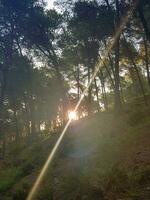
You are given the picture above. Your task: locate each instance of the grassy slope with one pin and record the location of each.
(102, 157)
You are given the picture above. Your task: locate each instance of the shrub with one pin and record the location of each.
(8, 177)
(136, 117)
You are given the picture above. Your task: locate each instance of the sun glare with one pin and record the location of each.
(72, 115)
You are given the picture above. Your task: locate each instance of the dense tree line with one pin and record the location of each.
(47, 58)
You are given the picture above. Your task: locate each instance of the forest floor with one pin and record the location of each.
(102, 157)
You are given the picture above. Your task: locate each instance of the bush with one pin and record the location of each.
(8, 177)
(136, 117)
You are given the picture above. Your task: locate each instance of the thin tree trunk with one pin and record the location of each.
(15, 119)
(143, 21)
(96, 91)
(115, 68)
(27, 121)
(110, 61)
(117, 78)
(136, 70)
(109, 74)
(89, 92)
(121, 92)
(32, 118)
(80, 86)
(147, 62)
(4, 148)
(3, 90)
(51, 55)
(111, 64)
(2, 118)
(116, 74)
(134, 81)
(16, 126)
(78, 82)
(6, 66)
(105, 101)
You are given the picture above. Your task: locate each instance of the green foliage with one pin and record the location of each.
(136, 111)
(135, 117)
(9, 177)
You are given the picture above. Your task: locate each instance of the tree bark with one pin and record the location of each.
(109, 74)
(136, 70)
(89, 91)
(116, 72)
(147, 62)
(4, 147)
(143, 21)
(3, 90)
(16, 126)
(96, 91)
(78, 82)
(105, 101)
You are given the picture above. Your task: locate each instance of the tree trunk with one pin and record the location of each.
(2, 117)
(105, 101)
(78, 82)
(136, 70)
(3, 89)
(110, 61)
(27, 117)
(4, 147)
(143, 21)
(32, 121)
(121, 93)
(134, 79)
(16, 126)
(147, 62)
(115, 69)
(80, 86)
(116, 72)
(51, 55)
(117, 78)
(96, 91)
(89, 92)
(15, 118)
(109, 74)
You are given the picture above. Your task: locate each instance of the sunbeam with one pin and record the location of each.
(37, 183)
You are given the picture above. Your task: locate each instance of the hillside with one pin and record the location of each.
(86, 61)
(105, 156)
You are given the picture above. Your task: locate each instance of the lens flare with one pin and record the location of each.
(72, 115)
(42, 174)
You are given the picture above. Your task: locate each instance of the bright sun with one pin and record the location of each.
(72, 115)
